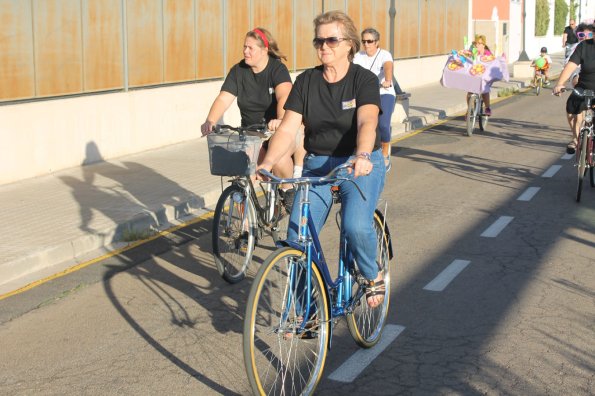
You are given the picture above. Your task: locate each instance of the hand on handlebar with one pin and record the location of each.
(273, 125)
(361, 167)
(206, 128)
(263, 167)
(558, 89)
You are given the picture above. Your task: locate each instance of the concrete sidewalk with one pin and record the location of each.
(52, 223)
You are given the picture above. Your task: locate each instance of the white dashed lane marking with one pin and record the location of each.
(552, 171)
(529, 194)
(445, 277)
(495, 229)
(353, 366)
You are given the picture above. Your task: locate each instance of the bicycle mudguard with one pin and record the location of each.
(387, 232)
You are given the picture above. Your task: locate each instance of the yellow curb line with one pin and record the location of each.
(105, 256)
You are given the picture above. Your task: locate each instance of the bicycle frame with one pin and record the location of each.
(339, 290)
(587, 127)
(261, 211)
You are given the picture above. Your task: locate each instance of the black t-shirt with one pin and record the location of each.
(584, 56)
(256, 91)
(570, 35)
(329, 110)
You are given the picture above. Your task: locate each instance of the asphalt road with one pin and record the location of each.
(509, 312)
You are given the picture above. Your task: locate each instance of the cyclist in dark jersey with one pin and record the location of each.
(261, 84)
(339, 104)
(583, 56)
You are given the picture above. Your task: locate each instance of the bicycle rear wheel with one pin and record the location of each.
(483, 119)
(471, 113)
(581, 163)
(591, 160)
(366, 324)
(234, 233)
(281, 222)
(282, 354)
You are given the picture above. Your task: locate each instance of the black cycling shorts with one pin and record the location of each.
(575, 104)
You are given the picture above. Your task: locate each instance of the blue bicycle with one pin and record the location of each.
(294, 302)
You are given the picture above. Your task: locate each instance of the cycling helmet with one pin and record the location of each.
(544, 49)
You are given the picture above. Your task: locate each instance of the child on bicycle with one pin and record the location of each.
(481, 49)
(542, 64)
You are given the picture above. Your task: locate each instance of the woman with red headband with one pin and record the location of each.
(261, 84)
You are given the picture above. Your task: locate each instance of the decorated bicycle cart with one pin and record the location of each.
(473, 73)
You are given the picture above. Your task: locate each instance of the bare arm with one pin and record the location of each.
(218, 108)
(564, 38)
(566, 73)
(388, 74)
(367, 121)
(281, 93)
(283, 140)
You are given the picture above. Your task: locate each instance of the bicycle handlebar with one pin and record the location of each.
(582, 93)
(259, 130)
(330, 177)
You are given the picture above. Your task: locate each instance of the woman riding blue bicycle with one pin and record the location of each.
(338, 103)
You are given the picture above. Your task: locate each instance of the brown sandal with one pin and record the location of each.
(571, 147)
(375, 288)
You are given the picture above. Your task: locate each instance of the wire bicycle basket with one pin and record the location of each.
(233, 155)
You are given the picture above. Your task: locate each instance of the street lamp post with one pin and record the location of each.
(524, 57)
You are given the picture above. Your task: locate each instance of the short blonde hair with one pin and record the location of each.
(347, 28)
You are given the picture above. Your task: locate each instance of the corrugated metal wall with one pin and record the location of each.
(62, 47)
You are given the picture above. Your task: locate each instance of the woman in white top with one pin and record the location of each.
(380, 62)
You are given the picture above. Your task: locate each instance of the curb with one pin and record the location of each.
(69, 253)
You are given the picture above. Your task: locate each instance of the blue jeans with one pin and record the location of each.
(387, 104)
(357, 214)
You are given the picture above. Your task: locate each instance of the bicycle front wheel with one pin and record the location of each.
(538, 85)
(366, 324)
(285, 337)
(581, 163)
(471, 113)
(233, 233)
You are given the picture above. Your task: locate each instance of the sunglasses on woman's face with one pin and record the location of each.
(584, 35)
(368, 41)
(331, 42)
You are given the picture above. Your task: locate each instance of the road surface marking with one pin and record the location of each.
(495, 229)
(528, 194)
(445, 277)
(568, 156)
(361, 359)
(552, 171)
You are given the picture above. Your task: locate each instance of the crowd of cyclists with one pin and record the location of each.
(340, 111)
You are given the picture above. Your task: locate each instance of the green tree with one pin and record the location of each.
(560, 14)
(542, 17)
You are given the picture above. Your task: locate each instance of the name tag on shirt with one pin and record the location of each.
(348, 104)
